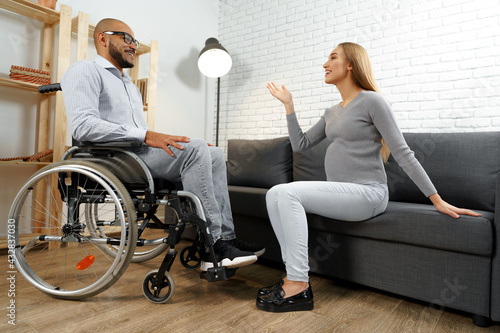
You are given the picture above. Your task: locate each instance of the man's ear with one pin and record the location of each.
(102, 39)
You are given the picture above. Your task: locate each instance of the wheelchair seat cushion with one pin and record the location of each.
(163, 184)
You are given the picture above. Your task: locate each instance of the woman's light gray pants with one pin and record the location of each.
(287, 205)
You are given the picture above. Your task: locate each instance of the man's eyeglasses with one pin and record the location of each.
(127, 38)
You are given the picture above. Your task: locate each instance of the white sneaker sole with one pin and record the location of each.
(261, 252)
(236, 262)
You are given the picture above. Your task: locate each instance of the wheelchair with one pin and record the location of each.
(80, 222)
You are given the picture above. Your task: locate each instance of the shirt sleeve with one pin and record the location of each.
(385, 121)
(302, 141)
(81, 86)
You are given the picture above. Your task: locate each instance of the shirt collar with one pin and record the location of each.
(103, 62)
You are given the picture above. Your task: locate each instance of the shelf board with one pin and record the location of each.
(143, 48)
(31, 9)
(20, 162)
(5, 82)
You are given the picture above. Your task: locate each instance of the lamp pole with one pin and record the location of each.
(218, 101)
(214, 61)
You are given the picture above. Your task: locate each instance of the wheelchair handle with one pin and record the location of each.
(49, 88)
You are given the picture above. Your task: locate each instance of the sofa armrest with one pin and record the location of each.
(495, 269)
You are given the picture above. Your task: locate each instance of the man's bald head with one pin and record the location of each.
(110, 24)
(112, 46)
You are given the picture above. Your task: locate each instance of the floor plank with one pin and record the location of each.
(225, 306)
(365, 314)
(451, 322)
(411, 317)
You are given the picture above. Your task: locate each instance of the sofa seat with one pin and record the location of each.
(408, 223)
(420, 225)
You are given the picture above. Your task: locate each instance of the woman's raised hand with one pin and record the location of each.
(283, 95)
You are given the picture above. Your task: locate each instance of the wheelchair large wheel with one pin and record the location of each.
(101, 216)
(55, 248)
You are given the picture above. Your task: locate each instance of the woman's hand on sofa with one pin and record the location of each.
(445, 208)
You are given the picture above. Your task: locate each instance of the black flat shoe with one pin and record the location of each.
(266, 290)
(275, 302)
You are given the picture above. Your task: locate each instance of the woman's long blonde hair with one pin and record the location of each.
(363, 77)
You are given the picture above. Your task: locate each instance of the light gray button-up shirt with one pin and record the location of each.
(101, 104)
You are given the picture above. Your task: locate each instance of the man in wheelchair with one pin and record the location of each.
(103, 105)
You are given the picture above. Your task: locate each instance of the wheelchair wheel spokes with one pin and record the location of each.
(103, 220)
(57, 250)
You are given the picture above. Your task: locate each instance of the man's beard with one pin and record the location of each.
(118, 57)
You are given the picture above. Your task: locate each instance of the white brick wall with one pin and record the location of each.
(436, 61)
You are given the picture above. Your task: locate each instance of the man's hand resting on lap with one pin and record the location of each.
(160, 140)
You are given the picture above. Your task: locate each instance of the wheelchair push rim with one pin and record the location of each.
(63, 258)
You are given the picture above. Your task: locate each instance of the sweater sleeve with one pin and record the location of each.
(384, 120)
(302, 141)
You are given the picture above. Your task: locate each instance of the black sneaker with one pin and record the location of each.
(229, 256)
(257, 249)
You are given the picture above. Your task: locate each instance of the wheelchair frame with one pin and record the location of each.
(100, 201)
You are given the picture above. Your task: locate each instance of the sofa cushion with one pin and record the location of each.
(248, 201)
(259, 163)
(420, 225)
(310, 164)
(462, 166)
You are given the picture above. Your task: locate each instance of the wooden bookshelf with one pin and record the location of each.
(51, 18)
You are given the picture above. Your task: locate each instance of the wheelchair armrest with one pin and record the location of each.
(113, 144)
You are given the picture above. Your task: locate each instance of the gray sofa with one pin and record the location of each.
(410, 250)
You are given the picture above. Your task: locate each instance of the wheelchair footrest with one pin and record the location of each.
(218, 274)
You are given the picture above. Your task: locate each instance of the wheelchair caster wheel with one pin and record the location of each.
(190, 257)
(158, 292)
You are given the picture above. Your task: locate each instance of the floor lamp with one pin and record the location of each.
(214, 61)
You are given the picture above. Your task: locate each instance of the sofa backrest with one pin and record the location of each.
(259, 163)
(463, 167)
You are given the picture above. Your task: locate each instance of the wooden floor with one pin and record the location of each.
(226, 306)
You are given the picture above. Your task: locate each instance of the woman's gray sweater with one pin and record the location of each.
(355, 133)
